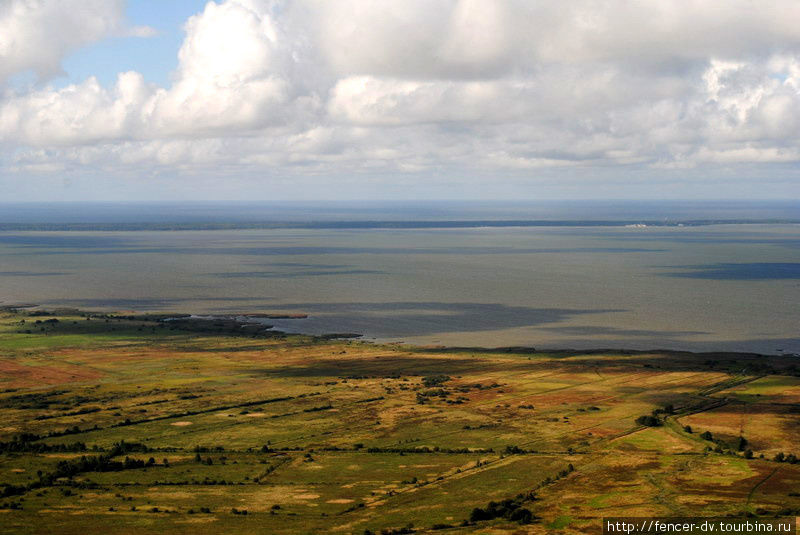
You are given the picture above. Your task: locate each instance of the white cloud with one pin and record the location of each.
(232, 76)
(37, 34)
(419, 86)
(474, 38)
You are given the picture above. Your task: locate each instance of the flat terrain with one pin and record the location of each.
(132, 424)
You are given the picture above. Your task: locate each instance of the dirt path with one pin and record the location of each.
(755, 487)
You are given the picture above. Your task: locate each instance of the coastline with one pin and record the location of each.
(250, 324)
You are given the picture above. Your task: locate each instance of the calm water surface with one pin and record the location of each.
(731, 287)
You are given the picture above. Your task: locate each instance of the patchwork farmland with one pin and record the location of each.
(133, 424)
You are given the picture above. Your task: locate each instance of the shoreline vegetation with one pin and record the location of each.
(169, 423)
(392, 224)
(242, 324)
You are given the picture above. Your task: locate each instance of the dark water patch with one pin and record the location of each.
(742, 271)
(397, 319)
(302, 265)
(693, 237)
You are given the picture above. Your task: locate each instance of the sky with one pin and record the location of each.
(380, 99)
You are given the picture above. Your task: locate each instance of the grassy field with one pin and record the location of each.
(132, 424)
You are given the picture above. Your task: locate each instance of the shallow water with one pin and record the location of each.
(719, 287)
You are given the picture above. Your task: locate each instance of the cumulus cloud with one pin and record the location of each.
(419, 86)
(35, 35)
(473, 38)
(233, 76)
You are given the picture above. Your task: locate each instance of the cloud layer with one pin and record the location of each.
(422, 87)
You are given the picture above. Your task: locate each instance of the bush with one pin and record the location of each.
(649, 421)
(434, 380)
(479, 514)
(521, 516)
(509, 509)
(706, 435)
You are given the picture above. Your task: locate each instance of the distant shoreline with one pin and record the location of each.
(243, 324)
(384, 225)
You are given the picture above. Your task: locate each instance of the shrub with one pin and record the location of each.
(434, 380)
(649, 421)
(521, 516)
(479, 514)
(510, 509)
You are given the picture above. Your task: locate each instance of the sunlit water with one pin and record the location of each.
(719, 287)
